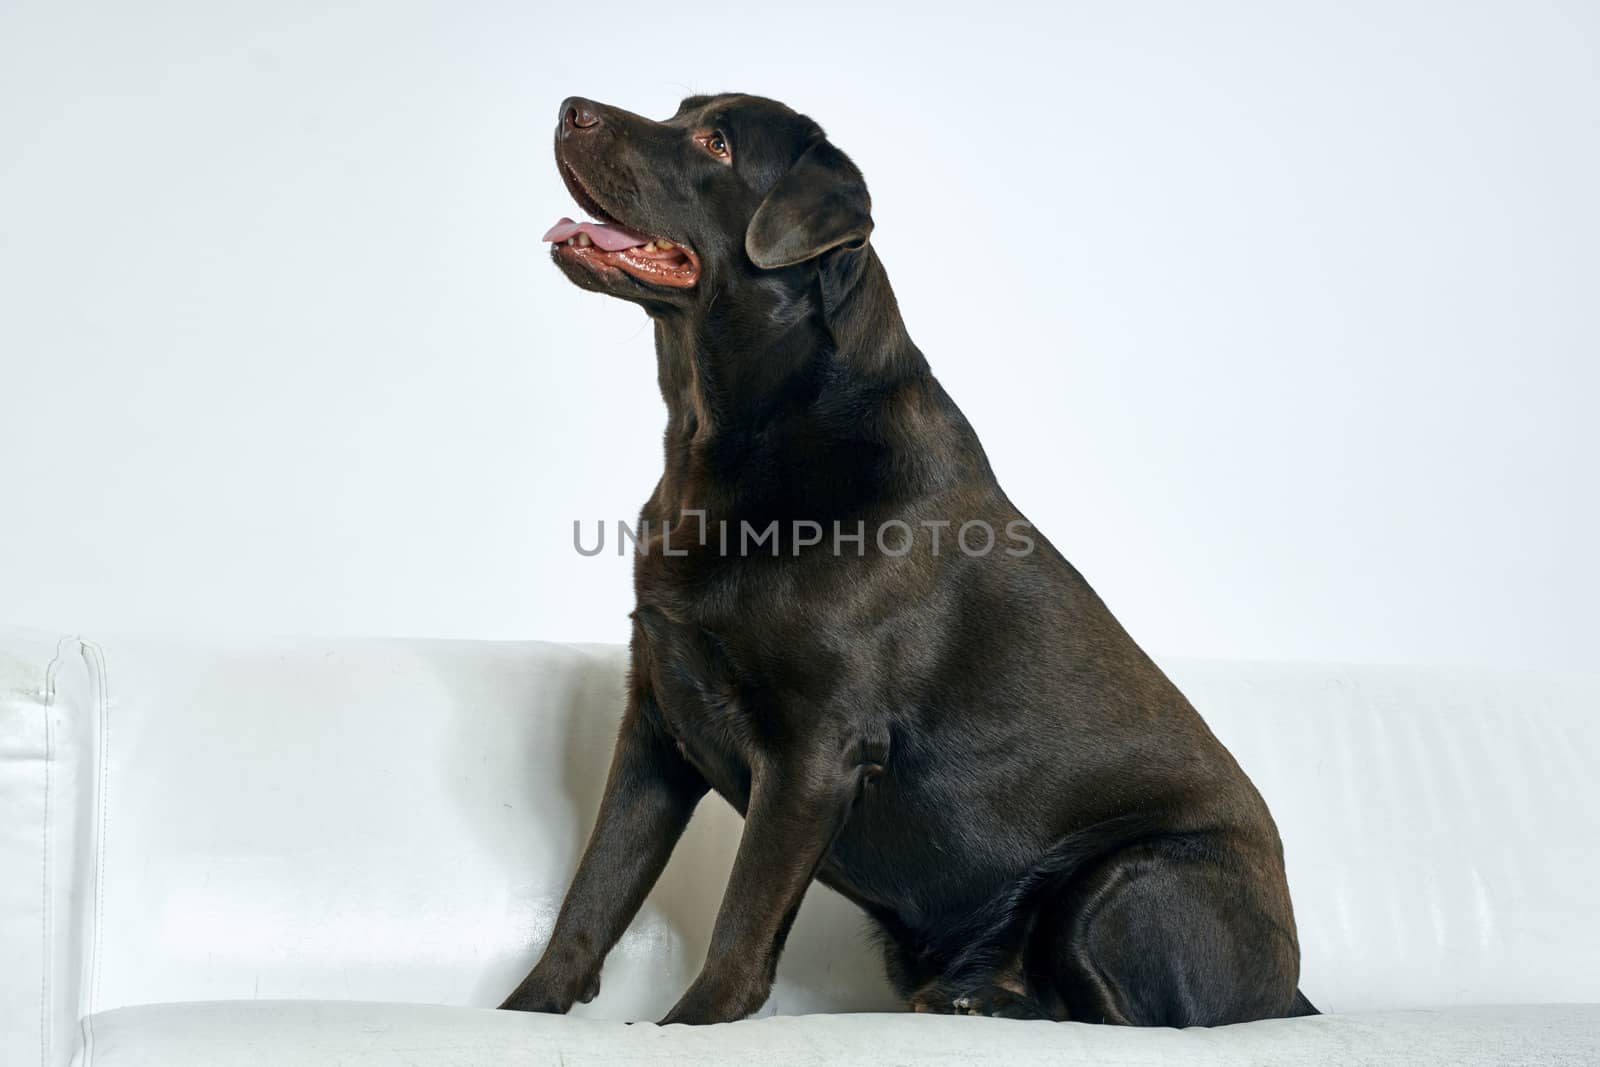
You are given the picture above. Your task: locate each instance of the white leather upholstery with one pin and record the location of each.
(386, 820)
(50, 711)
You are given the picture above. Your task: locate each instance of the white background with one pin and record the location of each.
(1280, 319)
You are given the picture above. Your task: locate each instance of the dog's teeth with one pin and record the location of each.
(649, 246)
(663, 244)
(584, 240)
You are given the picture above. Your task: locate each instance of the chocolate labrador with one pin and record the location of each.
(845, 628)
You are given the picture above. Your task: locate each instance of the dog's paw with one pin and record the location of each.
(933, 999)
(995, 1001)
(551, 996)
(544, 1004)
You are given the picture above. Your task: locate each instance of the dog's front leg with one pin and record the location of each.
(795, 810)
(649, 796)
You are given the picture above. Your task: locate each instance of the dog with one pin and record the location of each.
(964, 743)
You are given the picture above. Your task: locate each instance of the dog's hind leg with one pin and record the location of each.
(1164, 935)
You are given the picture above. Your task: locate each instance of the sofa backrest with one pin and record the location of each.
(398, 819)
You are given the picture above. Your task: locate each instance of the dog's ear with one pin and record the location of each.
(819, 205)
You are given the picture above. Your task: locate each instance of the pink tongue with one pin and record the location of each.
(610, 237)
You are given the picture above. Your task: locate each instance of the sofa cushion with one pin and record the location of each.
(356, 1034)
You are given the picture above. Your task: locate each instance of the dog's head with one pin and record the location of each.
(729, 187)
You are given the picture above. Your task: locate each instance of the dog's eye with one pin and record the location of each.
(714, 142)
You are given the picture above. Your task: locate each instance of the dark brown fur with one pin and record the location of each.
(971, 748)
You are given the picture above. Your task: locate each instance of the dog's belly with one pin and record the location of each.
(922, 847)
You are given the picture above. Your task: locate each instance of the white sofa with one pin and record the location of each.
(318, 852)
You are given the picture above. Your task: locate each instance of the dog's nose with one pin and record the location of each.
(578, 114)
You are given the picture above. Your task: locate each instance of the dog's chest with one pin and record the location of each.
(704, 700)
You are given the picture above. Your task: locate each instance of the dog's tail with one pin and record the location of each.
(1301, 1006)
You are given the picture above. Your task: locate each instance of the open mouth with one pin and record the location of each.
(610, 245)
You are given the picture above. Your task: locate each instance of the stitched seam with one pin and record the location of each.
(44, 911)
(49, 693)
(99, 664)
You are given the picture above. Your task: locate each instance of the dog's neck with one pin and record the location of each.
(773, 378)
